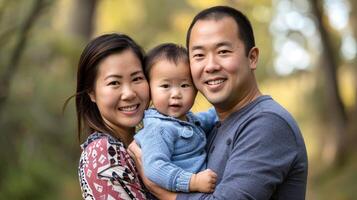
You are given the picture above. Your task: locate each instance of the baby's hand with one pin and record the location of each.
(204, 181)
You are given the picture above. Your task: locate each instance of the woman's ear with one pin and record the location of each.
(91, 96)
(253, 58)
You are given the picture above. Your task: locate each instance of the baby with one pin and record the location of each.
(173, 139)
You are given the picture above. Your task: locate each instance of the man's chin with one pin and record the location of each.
(215, 99)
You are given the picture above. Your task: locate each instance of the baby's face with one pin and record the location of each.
(172, 89)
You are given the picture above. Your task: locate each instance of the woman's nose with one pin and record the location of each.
(128, 93)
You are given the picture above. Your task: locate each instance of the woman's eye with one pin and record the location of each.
(114, 83)
(139, 78)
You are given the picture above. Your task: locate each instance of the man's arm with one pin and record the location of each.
(207, 119)
(262, 154)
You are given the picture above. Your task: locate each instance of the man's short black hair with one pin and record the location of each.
(245, 32)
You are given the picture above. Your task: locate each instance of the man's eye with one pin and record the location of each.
(198, 55)
(223, 51)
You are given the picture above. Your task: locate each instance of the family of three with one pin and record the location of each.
(246, 147)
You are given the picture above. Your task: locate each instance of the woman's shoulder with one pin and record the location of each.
(105, 164)
(104, 148)
(97, 140)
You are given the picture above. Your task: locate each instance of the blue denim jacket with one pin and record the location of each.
(172, 149)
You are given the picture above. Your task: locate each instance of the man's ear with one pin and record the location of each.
(91, 96)
(253, 58)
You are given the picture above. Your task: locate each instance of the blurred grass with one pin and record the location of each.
(339, 184)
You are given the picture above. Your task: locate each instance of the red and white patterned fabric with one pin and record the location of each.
(106, 171)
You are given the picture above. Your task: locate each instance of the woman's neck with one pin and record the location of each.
(125, 136)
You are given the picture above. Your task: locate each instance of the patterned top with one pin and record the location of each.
(106, 171)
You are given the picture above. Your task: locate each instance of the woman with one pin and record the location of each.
(112, 94)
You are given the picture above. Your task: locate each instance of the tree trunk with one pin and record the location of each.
(353, 23)
(353, 126)
(82, 18)
(15, 56)
(333, 150)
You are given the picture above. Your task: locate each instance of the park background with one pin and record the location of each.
(307, 63)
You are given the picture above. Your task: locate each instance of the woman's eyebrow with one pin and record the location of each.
(136, 73)
(113, 76)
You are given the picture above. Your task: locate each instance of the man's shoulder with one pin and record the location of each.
(270, 114)
(268, 107)
(263, 106)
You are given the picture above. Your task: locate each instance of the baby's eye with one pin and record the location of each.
(185, 85)
(165, 85)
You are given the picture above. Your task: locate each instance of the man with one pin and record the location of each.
(256, 149)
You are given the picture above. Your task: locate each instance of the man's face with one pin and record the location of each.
(220, 68)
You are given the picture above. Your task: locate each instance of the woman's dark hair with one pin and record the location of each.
(167, 51)
(88, 115)
(245, 30)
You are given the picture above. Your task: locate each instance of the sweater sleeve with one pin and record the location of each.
(157, 146)
(262, 155)
(207, 119)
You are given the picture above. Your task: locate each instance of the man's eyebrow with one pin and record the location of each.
(197, 47)
(228, 44)
(220, 44)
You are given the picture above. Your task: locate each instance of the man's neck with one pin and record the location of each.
(223, 111)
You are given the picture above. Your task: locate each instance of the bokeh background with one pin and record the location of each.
(307, 63)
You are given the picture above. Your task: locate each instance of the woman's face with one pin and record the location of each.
(121, 91)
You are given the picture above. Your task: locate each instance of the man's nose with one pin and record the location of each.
(212, 65)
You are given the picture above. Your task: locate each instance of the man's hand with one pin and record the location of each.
(161, 193)
(204, 181)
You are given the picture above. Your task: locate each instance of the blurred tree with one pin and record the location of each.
(22, 36)
(353, 23)
(337, 146)
(82, 18)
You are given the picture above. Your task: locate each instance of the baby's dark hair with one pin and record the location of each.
(167, 51)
